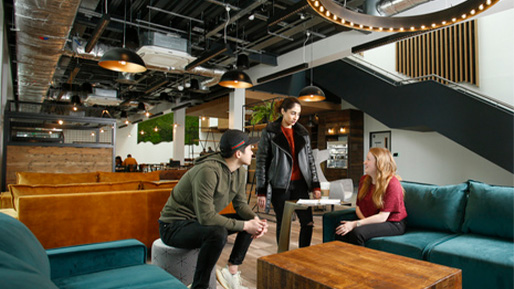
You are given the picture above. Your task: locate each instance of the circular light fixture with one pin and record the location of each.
(311, 94)
(335, 12)
(235, 79)
(122, 60)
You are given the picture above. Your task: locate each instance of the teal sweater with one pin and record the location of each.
(205, 190)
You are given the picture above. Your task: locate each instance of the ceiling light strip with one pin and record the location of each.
(334, 12)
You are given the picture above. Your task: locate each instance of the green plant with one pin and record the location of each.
(263, 113)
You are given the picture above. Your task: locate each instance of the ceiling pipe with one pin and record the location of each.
(40, 38)
(390, 7)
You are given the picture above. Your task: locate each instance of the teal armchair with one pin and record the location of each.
(118, 264)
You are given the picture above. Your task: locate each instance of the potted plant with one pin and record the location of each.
(263, 113)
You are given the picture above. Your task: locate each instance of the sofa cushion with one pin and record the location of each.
(28, 190)
(142, 276)
(415, 243)
(30, 178)
(147, 185)
(435, 207)
(124, 177)
(486, 262)
(489, 210)
(18, 241)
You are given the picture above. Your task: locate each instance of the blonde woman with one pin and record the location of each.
(380, 207)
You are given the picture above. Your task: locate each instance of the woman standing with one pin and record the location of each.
(380, 206)
(286, 164)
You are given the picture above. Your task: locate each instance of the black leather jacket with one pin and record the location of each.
(274, 161)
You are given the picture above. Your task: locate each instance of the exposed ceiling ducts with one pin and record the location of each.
(41, 35)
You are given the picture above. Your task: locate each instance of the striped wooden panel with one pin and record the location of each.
(451, 53)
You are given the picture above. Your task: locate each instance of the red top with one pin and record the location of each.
(297, 174)
(392, 199)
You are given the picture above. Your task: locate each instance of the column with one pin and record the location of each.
(179, 128)
(235, 109)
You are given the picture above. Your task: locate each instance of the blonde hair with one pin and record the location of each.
(386, 169)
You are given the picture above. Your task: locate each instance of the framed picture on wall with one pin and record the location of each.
(381, 139)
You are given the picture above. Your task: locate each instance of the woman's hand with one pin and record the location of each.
(316, 194)
(261, 201)
(346, 227)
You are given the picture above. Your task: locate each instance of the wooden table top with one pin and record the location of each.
(341, 265)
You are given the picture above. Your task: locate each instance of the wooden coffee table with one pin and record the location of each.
(341, 265)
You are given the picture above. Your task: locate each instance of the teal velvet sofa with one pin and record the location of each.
(119, 264)
(469, 226)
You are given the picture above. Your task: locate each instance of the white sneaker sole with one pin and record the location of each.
(221, 280)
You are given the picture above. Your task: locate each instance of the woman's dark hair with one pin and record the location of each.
(287, 104)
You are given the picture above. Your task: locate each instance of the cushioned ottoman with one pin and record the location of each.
(180, 263)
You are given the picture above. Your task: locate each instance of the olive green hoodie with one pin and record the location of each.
(206, 189)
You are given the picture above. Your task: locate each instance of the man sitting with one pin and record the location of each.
(190, 217)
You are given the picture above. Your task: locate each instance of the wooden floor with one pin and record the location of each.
(266, 245)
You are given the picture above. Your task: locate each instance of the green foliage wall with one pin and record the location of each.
(147, 132)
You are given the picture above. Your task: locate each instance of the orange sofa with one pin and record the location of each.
(67, 212)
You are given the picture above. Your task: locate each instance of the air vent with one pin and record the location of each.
(164, 50)
(103, 97)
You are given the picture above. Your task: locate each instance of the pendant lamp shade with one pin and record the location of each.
(122, 60)
(312, 94)
(235, 79)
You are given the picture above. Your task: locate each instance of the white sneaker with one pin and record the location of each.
(228, 280)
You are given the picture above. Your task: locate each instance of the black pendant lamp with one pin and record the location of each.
(311, 93)
(237, 78)
(122, 59)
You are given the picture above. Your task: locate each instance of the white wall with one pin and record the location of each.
(432, 158)
(496, 57)
(429, 157)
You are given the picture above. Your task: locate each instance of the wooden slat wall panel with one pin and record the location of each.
(44, 159)
(451, 53)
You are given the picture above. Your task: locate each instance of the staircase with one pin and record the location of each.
(482, 126)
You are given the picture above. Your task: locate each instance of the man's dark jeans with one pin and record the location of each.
(189, 234)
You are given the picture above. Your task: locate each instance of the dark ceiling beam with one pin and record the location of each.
(236, 17)
(270, 40)
(156, 86)
(208, 55)
(283, 15)
(99, 29)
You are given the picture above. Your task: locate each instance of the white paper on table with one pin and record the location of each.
(319, 202)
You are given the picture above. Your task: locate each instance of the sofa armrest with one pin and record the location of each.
(6, 200)
(85, 259)
(332, 219)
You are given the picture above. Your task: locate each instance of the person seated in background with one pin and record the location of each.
(118, 164)
(210, 150)
(190, 219)
(130, 163)
(380, 205)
